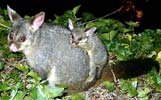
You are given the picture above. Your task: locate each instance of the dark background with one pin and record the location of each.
(151, 9)
(51, 7)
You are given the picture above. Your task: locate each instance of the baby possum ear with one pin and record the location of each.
(91, 31)
(70, 24)
(13, 15)
(37, 21)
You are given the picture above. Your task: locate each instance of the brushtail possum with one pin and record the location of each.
(91, 43)
(47, 49)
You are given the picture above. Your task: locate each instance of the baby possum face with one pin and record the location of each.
(79, 38)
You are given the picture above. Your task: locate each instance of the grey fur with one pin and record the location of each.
(48, 51)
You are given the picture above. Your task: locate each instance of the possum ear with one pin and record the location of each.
(91, 31)
(70, 24)
(13, 15)
(37, 21)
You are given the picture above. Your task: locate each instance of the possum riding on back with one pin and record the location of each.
(90, 42)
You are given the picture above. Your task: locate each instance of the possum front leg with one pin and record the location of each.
(92, 74)
(52, 78)
(92, 65)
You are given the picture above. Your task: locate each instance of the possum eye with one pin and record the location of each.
(83, 40)
(11, 36)
(79, 39)
(22, 39)
(72, 37)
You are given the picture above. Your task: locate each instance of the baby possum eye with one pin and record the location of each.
(22, 39)
(83, 40)
(72, 36)
(79, 39)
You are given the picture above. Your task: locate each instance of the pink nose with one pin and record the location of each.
(13, 48)
(75, 42)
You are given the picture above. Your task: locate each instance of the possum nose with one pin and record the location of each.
(13, 48)
(75, 42)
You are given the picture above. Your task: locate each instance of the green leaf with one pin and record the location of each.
(20, 95)
(34, 75)
(110, 35)
(33, 93)
(124, 86)
(40, 94)
(23, 68)
(14, 93)
(132, 92)
(144, 93)
(123, 54)
(1, 65)
(75, 9)
(53, 92)
(15, 75)
(133, 88)
(109, 85)
(4, 25)
(89, 25)
(131, 23)
(17, 95)
(77, 96)
(18, 85)
(144, 98)
(4, 87)
(134, 82)
(128, 87)
(157, 79)
(87, 16)
(5, 98)
(28, 98)
(46, 92)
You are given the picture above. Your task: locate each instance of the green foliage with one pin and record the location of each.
(129, 87)
(15, 94)
(4, 87)
(155, 80)
(32, 85)
(117, 37)
(46, 93)
(34, 75)
(151, 80)
(77, 96)
(109, 85)
(87, 16)
(23, 68)
(142, 94)
(4, 22)
(1, 65)
(63, 19)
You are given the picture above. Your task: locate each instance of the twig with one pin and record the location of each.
(135, 98)
(115, 80)
(22, 60)
(5, 62)
(104, 16)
